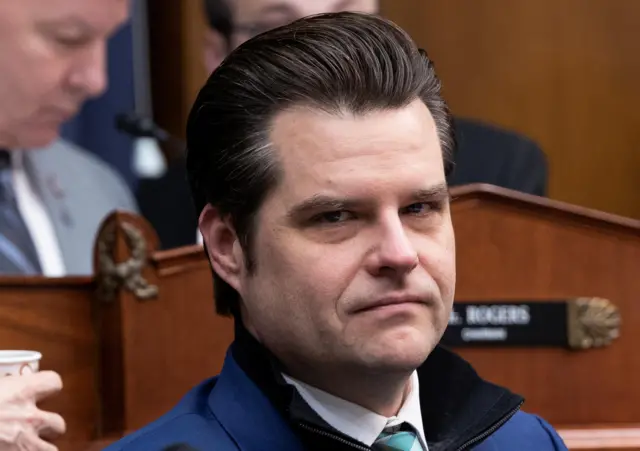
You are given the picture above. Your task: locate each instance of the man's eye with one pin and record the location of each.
(72, 41)
(422, 208)
(332, 217)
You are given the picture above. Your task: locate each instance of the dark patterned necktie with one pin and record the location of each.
(17, 253)
(400, 438)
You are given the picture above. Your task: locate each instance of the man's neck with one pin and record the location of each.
(6, 140)
(383, 394)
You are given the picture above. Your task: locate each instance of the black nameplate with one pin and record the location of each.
(512, 323)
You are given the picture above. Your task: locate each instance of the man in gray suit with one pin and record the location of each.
(53, 195)
(76, 191)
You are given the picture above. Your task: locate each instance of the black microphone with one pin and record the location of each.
(179, 447)
(140, 127)
(143, 127)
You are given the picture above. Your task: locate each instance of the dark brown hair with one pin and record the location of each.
(338, 62)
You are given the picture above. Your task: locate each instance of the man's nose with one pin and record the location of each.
(89, 76)
(394, 254)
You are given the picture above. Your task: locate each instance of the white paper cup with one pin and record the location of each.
(17, 363)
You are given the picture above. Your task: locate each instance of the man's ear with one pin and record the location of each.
(223, 247)
(215, 49)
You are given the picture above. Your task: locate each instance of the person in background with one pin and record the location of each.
(486, 154)
(53, 195)
(318, 167)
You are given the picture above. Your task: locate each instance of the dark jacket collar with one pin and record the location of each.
(458, 407)
(265, 371)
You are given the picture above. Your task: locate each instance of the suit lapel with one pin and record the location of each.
(48, 171)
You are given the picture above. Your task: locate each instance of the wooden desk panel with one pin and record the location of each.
(54, 317)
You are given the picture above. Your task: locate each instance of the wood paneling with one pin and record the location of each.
(176, 32)
(54, 317)
(565, 73)
(524, 247)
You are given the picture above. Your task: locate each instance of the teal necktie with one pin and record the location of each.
(401, 438)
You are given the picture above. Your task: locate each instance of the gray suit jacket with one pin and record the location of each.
(78, 190)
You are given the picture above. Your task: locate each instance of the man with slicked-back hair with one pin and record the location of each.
(318, 155)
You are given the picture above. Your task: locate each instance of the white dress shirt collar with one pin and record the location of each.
(36, 218)
(356, 421)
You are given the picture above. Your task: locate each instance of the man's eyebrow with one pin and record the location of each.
(436, 192)
(69, 21)
(322, 202)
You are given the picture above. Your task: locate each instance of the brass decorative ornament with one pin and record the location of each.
(112, 276)
(592, 323)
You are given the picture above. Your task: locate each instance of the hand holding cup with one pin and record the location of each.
(22, 424)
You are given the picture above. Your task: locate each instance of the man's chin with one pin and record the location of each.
(37, 139)
(402, 353)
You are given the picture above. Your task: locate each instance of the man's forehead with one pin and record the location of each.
(99, 14)
(295, 9)
(316, 148)
(307, 130)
